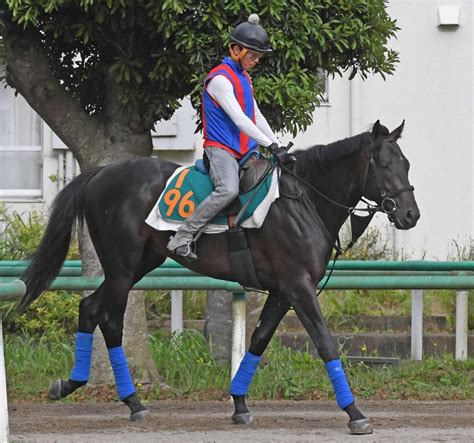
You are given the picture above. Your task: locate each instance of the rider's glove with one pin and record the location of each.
(281, 154)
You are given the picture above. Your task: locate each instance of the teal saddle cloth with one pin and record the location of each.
(188, 187)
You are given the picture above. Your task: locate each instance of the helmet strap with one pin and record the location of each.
(238, 58)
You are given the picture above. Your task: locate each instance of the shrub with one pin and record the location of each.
(372, 245)
(53, 315)
(19, 235)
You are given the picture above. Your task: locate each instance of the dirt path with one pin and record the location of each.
(275, 421)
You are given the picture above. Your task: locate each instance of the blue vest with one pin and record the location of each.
(219, 130)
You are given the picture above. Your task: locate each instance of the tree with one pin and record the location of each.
(102, 72)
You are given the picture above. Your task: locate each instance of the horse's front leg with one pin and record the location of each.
(301, 295)
(273, 311)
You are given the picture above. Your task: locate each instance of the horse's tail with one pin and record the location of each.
(47, 260)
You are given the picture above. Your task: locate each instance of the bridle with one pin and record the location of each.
(387, 204)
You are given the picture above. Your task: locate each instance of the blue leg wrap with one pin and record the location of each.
(342, 390)
(123, 379)
(241, 382)
(82, 357)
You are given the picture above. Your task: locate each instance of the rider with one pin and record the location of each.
(233, 126)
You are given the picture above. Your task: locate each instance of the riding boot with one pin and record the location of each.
(182, 244)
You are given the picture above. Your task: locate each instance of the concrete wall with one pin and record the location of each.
(431, 89)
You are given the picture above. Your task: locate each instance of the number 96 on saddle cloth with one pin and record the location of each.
(188, 187)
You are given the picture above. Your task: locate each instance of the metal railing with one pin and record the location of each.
(414, 275)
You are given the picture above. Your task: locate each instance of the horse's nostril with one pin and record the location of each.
(412, 215)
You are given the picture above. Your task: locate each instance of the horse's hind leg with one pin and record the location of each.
(273, 311)
(89, 315)
(111, 315)
(89, 308)
(111, 318)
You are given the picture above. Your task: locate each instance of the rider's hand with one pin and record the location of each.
(281, 154)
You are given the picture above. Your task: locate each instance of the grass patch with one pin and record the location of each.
(31, 364)
(186, 365)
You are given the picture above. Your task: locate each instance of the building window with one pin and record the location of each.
(325, 81)
(20, 147)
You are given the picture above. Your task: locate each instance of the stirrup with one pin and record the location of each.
(186, 251)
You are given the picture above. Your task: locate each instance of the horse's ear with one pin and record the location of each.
(376, 130)
(397, 133)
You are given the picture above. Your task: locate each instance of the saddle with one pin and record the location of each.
(253, 168)
(252, 172)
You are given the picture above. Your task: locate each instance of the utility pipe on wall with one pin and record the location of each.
(354, 86)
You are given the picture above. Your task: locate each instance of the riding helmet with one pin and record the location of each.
(251, 35)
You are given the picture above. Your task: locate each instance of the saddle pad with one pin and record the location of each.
(188, 187)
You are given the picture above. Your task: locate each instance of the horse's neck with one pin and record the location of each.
(342, 184)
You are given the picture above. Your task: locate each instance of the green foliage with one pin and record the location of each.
(20, 235)
(52, 315)
(186, 362)
(31, 364)
(159, 51)
(372, 245)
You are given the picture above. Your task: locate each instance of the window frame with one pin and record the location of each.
(23, 193)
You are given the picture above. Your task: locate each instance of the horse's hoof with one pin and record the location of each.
(54, 391)
(242, 419)
(360, 427)
(140, 415)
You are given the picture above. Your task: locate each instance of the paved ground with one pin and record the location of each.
(275, 421)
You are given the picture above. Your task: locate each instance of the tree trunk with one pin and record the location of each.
(117, 134)
(218, 326)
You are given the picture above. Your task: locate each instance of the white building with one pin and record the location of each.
(431, 89)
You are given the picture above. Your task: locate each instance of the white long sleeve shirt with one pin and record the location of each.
(222, 91)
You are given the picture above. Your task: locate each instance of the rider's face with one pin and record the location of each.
(250, 59)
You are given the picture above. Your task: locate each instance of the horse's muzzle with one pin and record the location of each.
(406, 219)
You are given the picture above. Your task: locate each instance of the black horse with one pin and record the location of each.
(290, 251)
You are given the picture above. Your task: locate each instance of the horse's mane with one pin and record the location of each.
(323, 157)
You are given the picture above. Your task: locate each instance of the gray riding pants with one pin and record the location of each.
(224, 171)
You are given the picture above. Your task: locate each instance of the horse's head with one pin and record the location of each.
(387, 178)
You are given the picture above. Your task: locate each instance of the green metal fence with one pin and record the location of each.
(414, 275)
